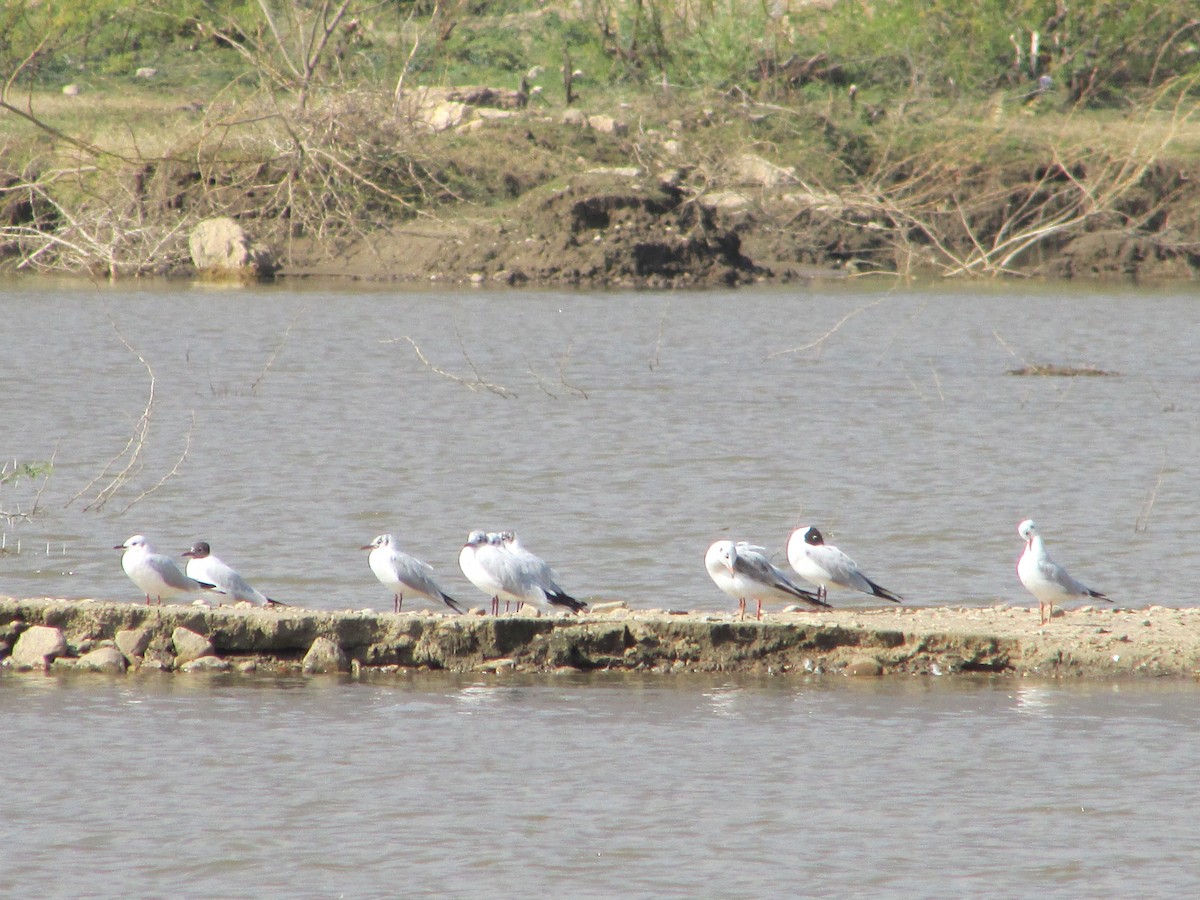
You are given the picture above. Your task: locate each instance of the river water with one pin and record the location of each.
(596, 786)
(620, 435)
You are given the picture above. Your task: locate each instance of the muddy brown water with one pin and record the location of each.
(623, 433)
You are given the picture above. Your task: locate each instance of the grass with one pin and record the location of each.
(708, 75)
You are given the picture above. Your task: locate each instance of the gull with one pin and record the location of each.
(823, 564)
(155, 575)
(471, 559)
(534, 582)
(500, 566)
(401, 572)
(1043, 577)
(743, 571)
(203, 566)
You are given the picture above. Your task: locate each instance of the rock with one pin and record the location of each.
(324, 656)
(71, 90)
(444, 115)
(189, 645)
(103, 659)
(608, 606)
(724, 200)
(574, 117)
(220, 248)
(206, 664)
(38, 646)
(608, 125)
(751, 169)
(497, 665)
(162, 660)
(145, 72)
(133, 643)
(863, 667)
(616, 171)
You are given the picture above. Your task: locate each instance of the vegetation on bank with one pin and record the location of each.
(976, 131)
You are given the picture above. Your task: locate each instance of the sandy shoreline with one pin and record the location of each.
(1087, 642)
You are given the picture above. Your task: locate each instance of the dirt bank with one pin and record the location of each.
(638, 229)
(649, 194)
(1090, 643)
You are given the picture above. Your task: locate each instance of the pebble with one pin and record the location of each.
(207, 664)
(865, 666)
(189, 645)
(325, 657)
(133, 643)
(103, 659)
(38, 646)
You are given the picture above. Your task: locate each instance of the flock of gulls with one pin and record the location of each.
(503, 569)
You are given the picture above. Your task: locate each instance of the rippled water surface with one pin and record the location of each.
(596, 787)
(620, 435)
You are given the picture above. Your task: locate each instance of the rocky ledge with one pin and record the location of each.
(52, 634)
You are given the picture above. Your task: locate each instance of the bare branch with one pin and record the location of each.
(831, 332)
(134, 446)
(471, 384)
(173, 471)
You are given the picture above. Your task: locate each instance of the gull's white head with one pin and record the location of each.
(476, 538)
(1027, 530)
(720, 555)
(138, 540)
(383, 540)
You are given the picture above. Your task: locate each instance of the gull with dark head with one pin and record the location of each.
(155, 575)
(823, 564)
(1043, 577)
(203, 566)
(401, 573)
(743, 572)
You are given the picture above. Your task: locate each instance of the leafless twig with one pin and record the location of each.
(274, 353)
(174, 469)
(562, 374)
(1143, 520)
(134, 446)
(471, 384)
(842, 321)
(541, 382)
(662, 324)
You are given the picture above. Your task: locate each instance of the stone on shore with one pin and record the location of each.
(221, 249)
(38, 646)
(324, 657)
(103, 659)
(207, 664)
(132, 642)
(190, 646)
(863, 667)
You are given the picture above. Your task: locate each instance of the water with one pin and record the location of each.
(624, 433)
(596, 787)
